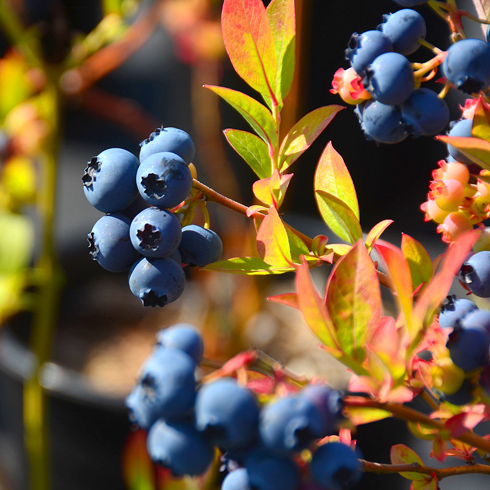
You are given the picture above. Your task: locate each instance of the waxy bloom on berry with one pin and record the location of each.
(348, 84)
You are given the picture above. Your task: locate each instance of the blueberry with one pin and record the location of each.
(109, 243)
(200, 246)
(185, 337)
(156, 282)
(155, 232)
(381, 123)
(364, 48)
(404, 28)
(469, 347)
(425, 113)
(236, 480)
(335, 465)
(164, 180)
(464, 395)
(390, 78)
(475, 274)
(168, 139)
(462, 128)
(168, 385)
(290, 424)
(180, 448)
(476, 319)
(329, 404)
(467, 65)
(454, 310)
(267, 471)
(109, 181)
(227, 413)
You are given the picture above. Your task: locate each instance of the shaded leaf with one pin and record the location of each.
(476, 149)
(418, 259)
(302, 135)
(282, 19)
(339, 217)
(401, 454)
(332, 176)
(137, 468)
(314, 309)
(353, 300)
(273, 242)
(256, 114)
(250, 44)
(252, 149)
(427, 483)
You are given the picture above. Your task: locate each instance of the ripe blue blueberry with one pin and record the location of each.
(390, 78)
(168, 139)
(184, 337)
(467, 65)
(236, 480)
(227, 414)
(164, 179)
(469, 347)
(364, 48)
(155, 232)
(109, 243)
(200, 246)
(462, 128)
(381, 122)
(290, 424)
(464, 395)
(168, 384)
(335, 465)
(477, 319)
(267, 471)
(109, 180)
(156, 282)
(425, 113)
(180, 448)
(475, 274)
(404, 28)
(329, 404)
(454, 310)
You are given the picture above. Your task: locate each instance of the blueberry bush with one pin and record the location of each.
(249, 422)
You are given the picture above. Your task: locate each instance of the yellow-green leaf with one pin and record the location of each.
(273, 242)
(418, 260)
(401, 454)
(481, 120)
(476, 149)
(250, 266)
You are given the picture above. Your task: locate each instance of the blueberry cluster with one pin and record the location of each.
(260, 446)
(385, 85)
(152, 244)
(469, 342)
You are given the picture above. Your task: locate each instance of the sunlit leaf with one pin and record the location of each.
(282, 19)
(376, 231)
(251, 266)
(252, 149)
(476, 149)
(302, 135)
(250, 44)
(288, 299)
(353, 300)
(401, 454)
(273, 242)
(314, 309)
(481, 120)
(16, 242)
(418, 260)
(256, 114)
(272, 190)
(361, 415)
(339, 217)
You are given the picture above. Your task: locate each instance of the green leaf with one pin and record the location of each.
(475, 148)
(427, 483)
(250, 45)
(250, 266)
(401, 454)
(302, 135)
(282, 19)
(256, 114)
(481, 121)
(252, 149)
(272, 241)
(376, 231)
(353, 300)
(16, 241)
(339, 217)
(418, 259)
(361, 415)
(332, 176)
(314, 309)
